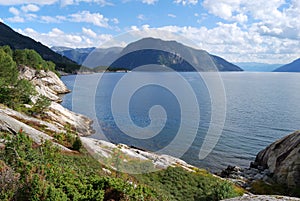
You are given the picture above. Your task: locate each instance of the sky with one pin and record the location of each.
(266, 31)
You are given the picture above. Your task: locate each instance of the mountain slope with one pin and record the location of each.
(169, 53)
(17, 41)
(291, 67)
(78, 55)
(90, 57)
(257, 67)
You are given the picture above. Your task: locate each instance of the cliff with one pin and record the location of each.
(282, 159)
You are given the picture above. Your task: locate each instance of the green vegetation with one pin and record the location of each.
(42, 172)
(263, 188)
(33, 59)
(16, 92)
(32, 172)
(17, 41)
(178, 184)
(13, 91)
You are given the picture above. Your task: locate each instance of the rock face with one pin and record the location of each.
(46, 83)
(12, 122)
(62, 117)
(263, 198)
(282, 158)
(123, 155)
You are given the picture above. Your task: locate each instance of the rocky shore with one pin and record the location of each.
(244, 177)
(278, 163)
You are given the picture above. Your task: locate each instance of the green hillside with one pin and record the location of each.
(17, 41)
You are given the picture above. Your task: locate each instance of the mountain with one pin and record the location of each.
(78, 55)
(90, 57)
(257, 67)
(291, 67)
(169, 53)
(17, 41)
(148, 51)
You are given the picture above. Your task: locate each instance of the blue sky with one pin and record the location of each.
(237, 30)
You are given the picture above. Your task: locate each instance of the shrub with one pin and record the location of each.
(77, 144)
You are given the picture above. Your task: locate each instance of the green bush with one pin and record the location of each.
(46, 173)
(178, 184)
(77, 144)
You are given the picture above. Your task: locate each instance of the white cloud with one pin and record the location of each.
(99, 2)
(23, 2)
(51, 2)
(16, 19)
(89, 32)
(30, 16)
(66, 2)
(57, 37)
(49, 19)
(1, 20)
(141, 17)
(115, 20)
(171, 15)
(14, 11)
(186, 2)
(270, 16)
(149, 2)
(94, 18)
(30, 8)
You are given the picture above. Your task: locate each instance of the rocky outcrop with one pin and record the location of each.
(244, 177)
(263, 198)
(13, 122)
(278, 163)
(130, 160)
(62, 117)
(282, 159)
(46, 83)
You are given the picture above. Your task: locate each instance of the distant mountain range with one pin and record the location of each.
(149, 51)
(17, 41)
(257, 67)
(291, 67)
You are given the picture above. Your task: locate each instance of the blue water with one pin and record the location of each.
(260, 108)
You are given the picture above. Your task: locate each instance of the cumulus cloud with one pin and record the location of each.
(57, 37)
(229, 41)
(186, 2)
(30, 8)
(276, 18)
(89, 32)
(149, 2)
(14, 11)
(94, 18)
(16, 19)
